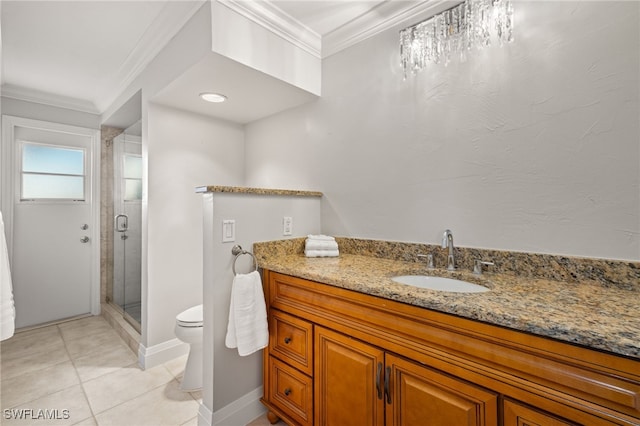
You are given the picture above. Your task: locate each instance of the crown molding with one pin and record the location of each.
(381, 18)
(272, 18)
(166, 25)
(386, 15)
(170, 21)
(31, 95)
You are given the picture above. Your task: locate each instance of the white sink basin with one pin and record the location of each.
(440, 283)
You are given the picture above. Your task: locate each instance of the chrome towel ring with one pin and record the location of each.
(237, 251)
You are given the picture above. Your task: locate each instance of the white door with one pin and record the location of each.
(54, 222)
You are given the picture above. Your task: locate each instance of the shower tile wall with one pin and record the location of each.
(107, 134)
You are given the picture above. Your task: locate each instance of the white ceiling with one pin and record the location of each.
(81, 54)
(251, 94)
(324, 17)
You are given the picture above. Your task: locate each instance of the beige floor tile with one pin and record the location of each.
(191, 422)
(165, 405)
(91, 421)
(100, 363)
(37, 360)
(28, 342)
(122, 385)
(197, 395)
(176, 366)
(263, 421)
(30, 386)
(99, 342)
(83, 328)
(66, 407)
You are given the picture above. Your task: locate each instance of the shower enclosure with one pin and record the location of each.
(127, 237)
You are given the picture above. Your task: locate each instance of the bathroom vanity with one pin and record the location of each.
(348, 346)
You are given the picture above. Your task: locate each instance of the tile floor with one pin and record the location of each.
(82, 372)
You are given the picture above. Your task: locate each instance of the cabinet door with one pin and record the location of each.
(347, 381)
(516, 414)
(421, 396)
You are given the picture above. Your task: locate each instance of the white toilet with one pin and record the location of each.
(189, 330)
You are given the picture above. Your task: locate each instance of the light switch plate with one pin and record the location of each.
(287, 225)
(228, 231)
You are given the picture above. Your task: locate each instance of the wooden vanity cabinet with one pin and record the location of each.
(357, 384)
(338, 358)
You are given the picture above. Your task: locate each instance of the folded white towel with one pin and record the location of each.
(320, 245)
(320, 237)
(247, 329)
(7, 308)
(321, 253)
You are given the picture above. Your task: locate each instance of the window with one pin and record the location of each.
(132, 177)
(52, 173)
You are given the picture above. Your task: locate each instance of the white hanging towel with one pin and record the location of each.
(7, 308)
(247, 329)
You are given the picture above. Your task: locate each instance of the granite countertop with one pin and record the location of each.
(587, 313)
(256, 191)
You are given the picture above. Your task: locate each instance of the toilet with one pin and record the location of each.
(189, 330)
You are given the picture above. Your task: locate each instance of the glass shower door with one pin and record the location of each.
(127, 241)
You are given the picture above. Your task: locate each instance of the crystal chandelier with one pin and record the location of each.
(472, 23)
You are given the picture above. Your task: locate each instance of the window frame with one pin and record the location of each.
(20, 171)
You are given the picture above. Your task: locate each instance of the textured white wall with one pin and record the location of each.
(533, 147)
(184, 151)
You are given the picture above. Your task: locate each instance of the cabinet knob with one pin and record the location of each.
(287, 340)
(287, 391)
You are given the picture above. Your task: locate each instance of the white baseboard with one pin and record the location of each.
(239, 413)
(205, 416)
(161, 353)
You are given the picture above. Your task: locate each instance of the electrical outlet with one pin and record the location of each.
(287, 225)
(228, 231)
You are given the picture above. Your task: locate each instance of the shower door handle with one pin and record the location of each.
(121, 223)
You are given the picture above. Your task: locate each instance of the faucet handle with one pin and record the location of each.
(429, 259)
(477, 265)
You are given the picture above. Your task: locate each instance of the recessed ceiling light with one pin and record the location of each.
(213, 97)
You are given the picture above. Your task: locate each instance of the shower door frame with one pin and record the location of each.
(119, 150)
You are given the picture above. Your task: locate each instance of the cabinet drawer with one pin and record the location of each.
(291, 391)
(291, 340)
(516, 414)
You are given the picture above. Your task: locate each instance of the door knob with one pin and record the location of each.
(84, 239)
(84, 227)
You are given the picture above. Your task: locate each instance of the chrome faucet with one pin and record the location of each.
(447, 242)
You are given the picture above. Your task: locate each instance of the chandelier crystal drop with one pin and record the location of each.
(473, 23)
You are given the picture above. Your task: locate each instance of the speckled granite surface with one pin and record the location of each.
(590, 302)
(258, 191)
